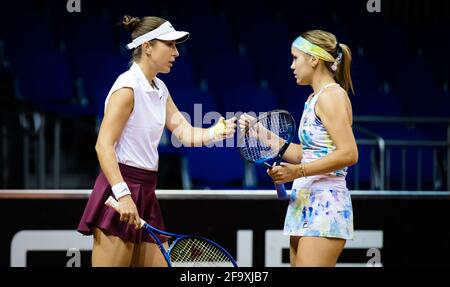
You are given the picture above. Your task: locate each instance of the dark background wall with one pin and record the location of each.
(62, 65)
(414, 228)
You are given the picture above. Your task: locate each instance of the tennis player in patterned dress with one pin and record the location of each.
(319, 218)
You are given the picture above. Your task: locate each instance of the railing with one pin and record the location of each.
(381, 152)
(34, 128)
(31, 126)
(381, 162)
(193, 194)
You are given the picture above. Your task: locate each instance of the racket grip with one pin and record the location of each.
(281, 191)
(111, 202)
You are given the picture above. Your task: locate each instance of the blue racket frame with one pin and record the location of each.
(268, 162)
(111, 202)
(151, 230)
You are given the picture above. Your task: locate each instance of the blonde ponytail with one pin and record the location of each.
(343, 75)
(328, 42)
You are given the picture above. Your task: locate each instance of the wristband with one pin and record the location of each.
(212, 134)
(120, 190)
(215, 132)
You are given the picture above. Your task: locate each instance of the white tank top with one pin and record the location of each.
(138, 143)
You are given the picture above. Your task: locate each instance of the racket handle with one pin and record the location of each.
(281, 191)
(111, 202)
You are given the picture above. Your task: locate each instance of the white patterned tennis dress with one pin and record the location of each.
(320, 206)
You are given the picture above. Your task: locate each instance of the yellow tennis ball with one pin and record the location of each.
(220, 129)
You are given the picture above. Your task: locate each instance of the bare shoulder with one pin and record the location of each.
(332, 101)
(333, 94)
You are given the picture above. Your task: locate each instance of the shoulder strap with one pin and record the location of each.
(316, 97)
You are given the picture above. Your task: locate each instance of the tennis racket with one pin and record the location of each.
(186, 250)
(266, 139)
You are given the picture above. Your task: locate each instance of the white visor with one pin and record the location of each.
(165, 32)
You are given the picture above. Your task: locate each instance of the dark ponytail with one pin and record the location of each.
(130, 23)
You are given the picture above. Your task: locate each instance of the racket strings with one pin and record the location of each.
(197, 252)
(262, 140)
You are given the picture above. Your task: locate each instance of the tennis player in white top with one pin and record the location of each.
(137, 109)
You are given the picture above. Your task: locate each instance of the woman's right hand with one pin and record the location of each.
(258, 131)
(247, 126)
(128, 211)
(245, 121)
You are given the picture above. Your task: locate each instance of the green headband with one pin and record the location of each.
(309, 48)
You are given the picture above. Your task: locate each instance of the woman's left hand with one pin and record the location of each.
(223, 129)
(285, 172)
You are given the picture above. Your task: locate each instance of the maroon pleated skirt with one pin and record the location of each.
(142, 184)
